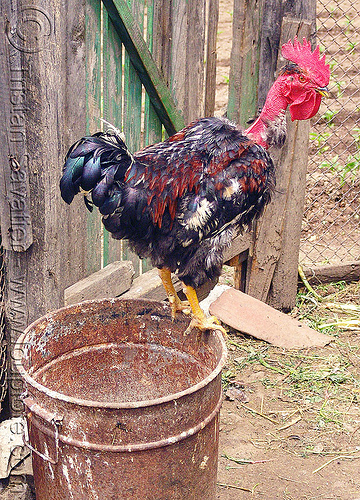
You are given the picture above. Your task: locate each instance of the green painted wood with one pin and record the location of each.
(93, 124)
(133, 88)
(113, 69)
(133, 109)
(248, 100)
(144, 64)
(152, 123)
(133, 112)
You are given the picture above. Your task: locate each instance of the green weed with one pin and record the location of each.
(347, 171)
(356, 135)
(319, 140)
(328, 117)
(227, 377)
(351, 46)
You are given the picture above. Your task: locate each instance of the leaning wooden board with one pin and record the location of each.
(255, 318)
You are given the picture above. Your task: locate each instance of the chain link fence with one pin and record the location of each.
(331, 229)
(3, 371)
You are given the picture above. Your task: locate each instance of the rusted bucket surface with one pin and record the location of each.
(120, 404)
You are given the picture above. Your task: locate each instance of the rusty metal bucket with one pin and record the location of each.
(120, 404)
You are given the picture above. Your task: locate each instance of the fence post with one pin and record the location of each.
(275, 255)
(244, 62)
(187, 58)
(293, 159)
(39, 92)
(259, 32)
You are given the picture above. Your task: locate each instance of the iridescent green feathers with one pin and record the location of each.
(96, 164)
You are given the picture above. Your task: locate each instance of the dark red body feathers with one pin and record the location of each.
(179, 202)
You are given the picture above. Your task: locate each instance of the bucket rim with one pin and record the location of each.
(114, 405)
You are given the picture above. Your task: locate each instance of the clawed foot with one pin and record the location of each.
(199, 320)
(203, 324)
(178, 305)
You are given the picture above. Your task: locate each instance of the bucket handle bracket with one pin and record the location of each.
(50, 418)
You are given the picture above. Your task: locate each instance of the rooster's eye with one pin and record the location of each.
(302, 78)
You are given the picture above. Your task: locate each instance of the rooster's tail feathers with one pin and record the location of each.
(93, 164)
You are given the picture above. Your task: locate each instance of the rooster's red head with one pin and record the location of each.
(305, 78)
(301, 84)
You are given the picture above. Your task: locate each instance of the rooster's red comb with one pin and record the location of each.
(307, 60)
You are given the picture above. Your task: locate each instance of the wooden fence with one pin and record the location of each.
(139, 65)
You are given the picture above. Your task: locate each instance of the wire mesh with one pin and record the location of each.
(3, 371)
(331, 230)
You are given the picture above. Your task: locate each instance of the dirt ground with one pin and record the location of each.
(290, 424)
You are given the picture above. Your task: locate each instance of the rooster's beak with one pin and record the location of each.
(323, 91)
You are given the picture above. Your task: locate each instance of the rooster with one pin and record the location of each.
(181, 202)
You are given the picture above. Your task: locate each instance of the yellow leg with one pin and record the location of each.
(175, 303)
(199, 320)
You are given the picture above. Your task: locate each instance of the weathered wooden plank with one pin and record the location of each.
(152, 124)
(269, 46)
(253, 317)
(239, 263)
(277, 232)
(146, 68)
(162, 36)
(195, 55)
(240, 244)
(178, 54)
(72, 224)
(210, 78)
(93, 123)
(36, 278)
(187, 56)
(244, 61)
(69, 87)
(15, 219)
(133, 110)
(111, 281)
(148, 286)
(304, 10)
(236, 60)
(237, 256)
(153, 128)
(317, 275)
(282, 294)
(113, 62)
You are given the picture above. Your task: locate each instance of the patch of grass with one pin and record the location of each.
(347, 170)
(351, 46)
(227, 377)
(321, 384)
(328, 117)
(319, 140)
(356, 135)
